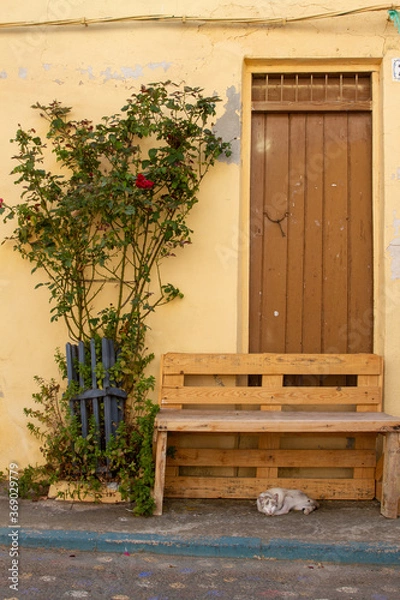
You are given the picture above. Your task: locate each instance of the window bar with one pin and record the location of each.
(311, 86)
(282, 85)
(296, 91)
(356, 86)
(341, 86)
(267, 87)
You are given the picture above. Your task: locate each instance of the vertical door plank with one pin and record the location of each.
(360, 326)
(335, 291)
(295, 235)
(313, 229)
(257, 186)
(275, 238)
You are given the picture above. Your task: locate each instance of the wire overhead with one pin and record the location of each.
(391, 9)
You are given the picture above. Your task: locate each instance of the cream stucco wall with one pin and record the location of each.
(93, 68)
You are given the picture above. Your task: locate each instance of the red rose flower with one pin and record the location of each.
(143, 183)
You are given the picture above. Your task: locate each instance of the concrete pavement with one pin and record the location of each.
(339, 532)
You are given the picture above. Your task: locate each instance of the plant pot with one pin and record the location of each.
(70, 491)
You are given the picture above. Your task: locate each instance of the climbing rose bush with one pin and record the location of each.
(97, 226)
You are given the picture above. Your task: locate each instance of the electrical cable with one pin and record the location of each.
(186, 20)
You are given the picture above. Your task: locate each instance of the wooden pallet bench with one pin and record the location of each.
(232, 425)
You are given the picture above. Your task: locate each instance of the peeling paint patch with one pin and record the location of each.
(394, 248)
(109, 75)
(130, 73)
(125, 73)
(394, 251)
(228, 126)
(88, 71)
(161, 65)
(3, 75)
(396, 225)
(46, 66)
(22, 73)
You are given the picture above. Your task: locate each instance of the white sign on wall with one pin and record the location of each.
(396, 69)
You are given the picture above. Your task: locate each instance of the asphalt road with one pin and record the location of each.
(60, 575)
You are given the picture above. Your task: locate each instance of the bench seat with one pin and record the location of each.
(274, 422)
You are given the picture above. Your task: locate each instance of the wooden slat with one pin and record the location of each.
(269, 107)
(173, 381)
(271, 382)
(391, 483)
(313, 238)
(250, 487)
(378, 495)
(365, 443)
(323, 441)
(335, 227)
(265, 468)
(271, 363)
(379, 468)
(295, 234)
(160, 465)
(360, 332)
(275, 422)
(276, 198)
(258, 153)
(260, 395)
(269, 440)
(272, 457)
(364, 382)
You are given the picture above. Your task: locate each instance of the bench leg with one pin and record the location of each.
(161, 457)
(391, 476)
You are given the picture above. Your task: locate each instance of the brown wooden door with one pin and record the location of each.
(311, 280)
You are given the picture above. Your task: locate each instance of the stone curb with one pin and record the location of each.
(224, 547)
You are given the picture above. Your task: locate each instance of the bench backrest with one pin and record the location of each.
(272, 381)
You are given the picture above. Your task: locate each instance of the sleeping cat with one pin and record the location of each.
(279, 501)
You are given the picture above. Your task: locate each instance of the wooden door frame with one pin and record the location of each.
(253, 66)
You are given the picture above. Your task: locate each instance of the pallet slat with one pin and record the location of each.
(275, 422)
(258, 364)
(258, 395)
(214, 457)
(250, 487)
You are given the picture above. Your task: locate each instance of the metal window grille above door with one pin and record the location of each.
(311, 213)
(308, 91)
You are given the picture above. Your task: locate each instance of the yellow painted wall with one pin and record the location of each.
(93, 69)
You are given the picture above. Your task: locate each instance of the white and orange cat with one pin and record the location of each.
(280, 501)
